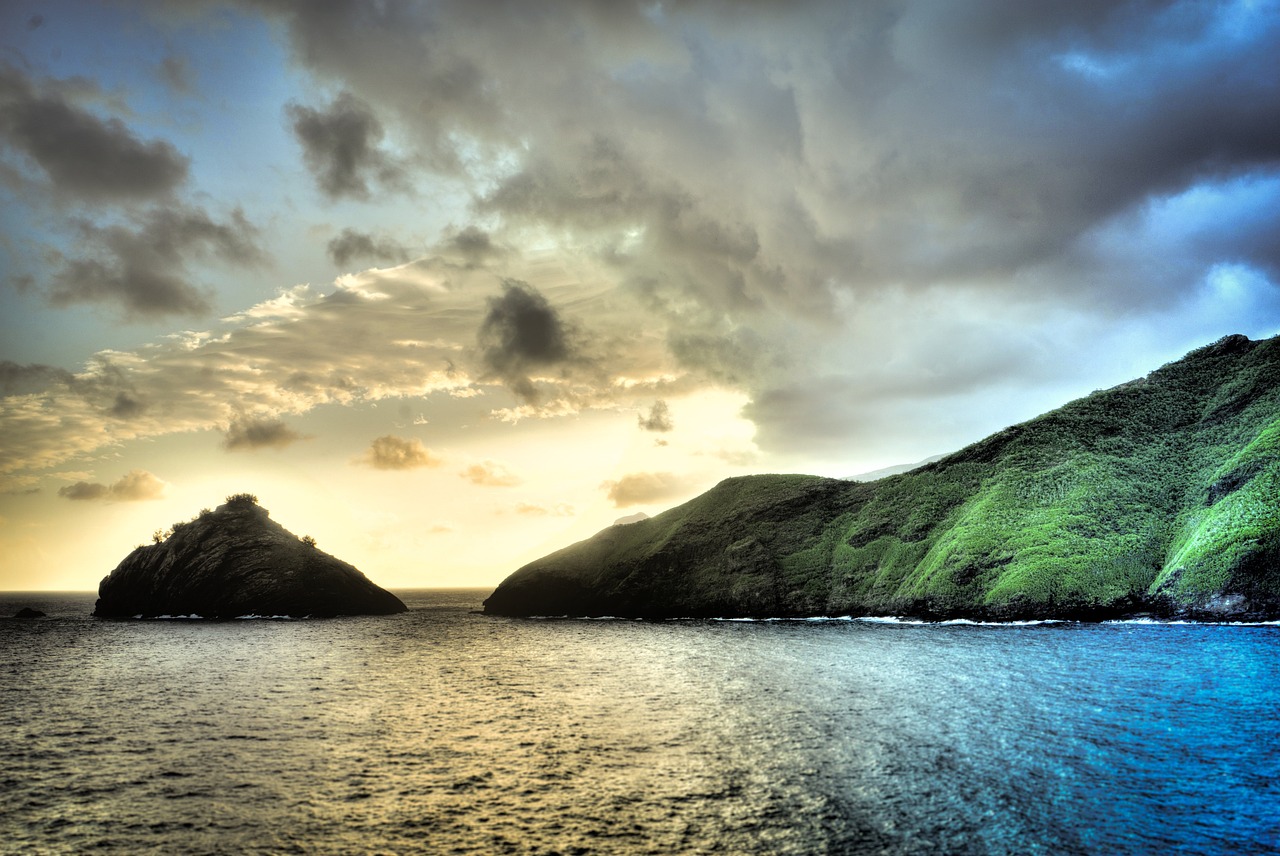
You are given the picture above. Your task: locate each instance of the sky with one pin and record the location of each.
(450, 285)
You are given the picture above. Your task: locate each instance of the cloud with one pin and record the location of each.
(475, 246)
(658, 418)
(490, 474)
(17, 379)
(133, 486)
(84, 156)
(350, 245)
(856, 216)
(767, 181)
(359, 343)
(84, 491)
(138, 485)
(646, 488)
(340, 147)
(127, 406)
(142, 267)
(399, 453)
(248, 434)
(533, 509)
(405, 333)
(175, 73)
(522, 332)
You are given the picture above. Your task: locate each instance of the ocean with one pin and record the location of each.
(444, 731)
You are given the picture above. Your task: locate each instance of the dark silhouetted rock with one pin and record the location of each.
(28, 612)
(237, 561)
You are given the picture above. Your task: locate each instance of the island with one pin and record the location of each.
(236, 561)
(1158, 497)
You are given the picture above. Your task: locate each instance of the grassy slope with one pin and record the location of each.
(1157, 495)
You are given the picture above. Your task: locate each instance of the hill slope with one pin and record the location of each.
(1157, 496)
(237, 561)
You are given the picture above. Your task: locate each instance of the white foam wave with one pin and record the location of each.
(1172, 622)
(894, 619)
(956, 622)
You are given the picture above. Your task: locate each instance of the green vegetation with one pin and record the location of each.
(1159, 495)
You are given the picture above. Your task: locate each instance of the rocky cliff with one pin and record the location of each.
(1159, 496)
(236, 561)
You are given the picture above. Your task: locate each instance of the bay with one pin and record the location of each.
(445, 731)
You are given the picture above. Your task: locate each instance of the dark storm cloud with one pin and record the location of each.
(1038, 124)
(521, 333)
(141, 267)
(85, 156)
(248, 434)
(340, 146)
(350, 245)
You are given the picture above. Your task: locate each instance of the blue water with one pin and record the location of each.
(445, 731)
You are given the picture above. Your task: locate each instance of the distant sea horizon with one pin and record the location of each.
(23, 597)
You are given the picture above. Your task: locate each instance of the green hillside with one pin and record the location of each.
(1157, 496)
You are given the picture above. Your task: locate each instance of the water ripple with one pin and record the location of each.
(442, 731)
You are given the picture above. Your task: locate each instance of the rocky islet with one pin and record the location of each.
(235, 561)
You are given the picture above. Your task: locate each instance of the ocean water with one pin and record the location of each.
(443, 731)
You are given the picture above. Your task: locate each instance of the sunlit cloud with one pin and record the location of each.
(133, 486)
(646, 488)
(399, 453)
(534, 509)
(490, 474)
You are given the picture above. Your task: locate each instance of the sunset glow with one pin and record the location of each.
(449, 286)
